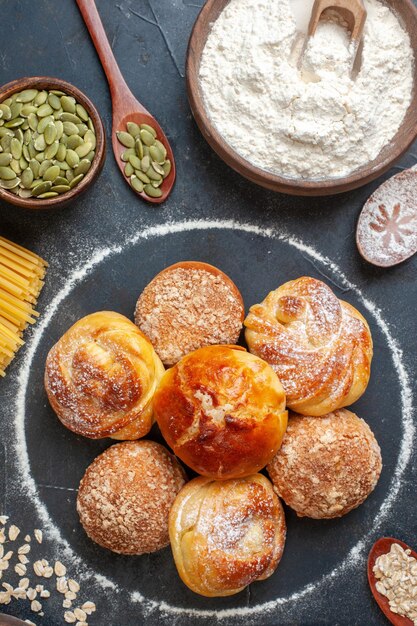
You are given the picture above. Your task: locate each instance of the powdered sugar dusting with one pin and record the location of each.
(355, 555)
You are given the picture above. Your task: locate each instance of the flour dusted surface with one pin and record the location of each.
(270, 114)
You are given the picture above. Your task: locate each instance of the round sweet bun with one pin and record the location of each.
(187, 306)
(222, 411)
(101, 376)
(226, 535)
(320, 347)
(126, 494)
(327, 465)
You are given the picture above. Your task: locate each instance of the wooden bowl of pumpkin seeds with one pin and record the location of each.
(52, 142)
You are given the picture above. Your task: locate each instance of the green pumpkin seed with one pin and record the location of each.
(156, 183)
(27, 178)
(25, 193)
(74, 141)
(44, 123)
(26, 153)
(125, 139)
(147, 138)
(82, 168)
(57, 114)
(48, 194)
(40, 98)
(142, 176)
(60, 188)
(91, 125)
(157, 154)
(5, 158)
(69, 175)
(136, 184)
(33, 121)
(70, 128)
(68, 104)
(54, 101)
(42, 188)
(59, 129)
(129, 169)
(44, 110)
(139, 147)
(90, 156)
(146, 151)
(40, 156)
(4, 132)
(61, 153)
(6, 112)
(135, 162)
(5, 142)
(60, 180)
(158, 169)
(14, 164)
(83, 150)
(27, 95)
(31, 148)
(82, 129)
(51, 173)
(24, 126)
(145, 164)
(50, 133)
(23, 164)
(91, 138)
(76, 180)
(7, 102)
(15, 109)
(57, 92)
(27, 109)
(63, 165)
(14, 123)
(152, 192)
(161, 147)
(51, 151)
(81, 112)
(127, 153)
(27, 136)
(64, 139)
(35, 167)
(16, 148)
(40, 143)
(153, 175)
(10, 184)
(72, 158)
(149, 129)
(18, 133)
(6, 173)
(70, 117)
(36, 182)
(44, 166)
(133, 129)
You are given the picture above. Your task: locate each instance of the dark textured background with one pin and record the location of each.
(149, 39)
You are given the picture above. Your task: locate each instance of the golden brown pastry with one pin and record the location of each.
(101, 377)
(320, 347)
(126, 494)
(226, 535)
(327, 465)
(187, 306)
(222, 411)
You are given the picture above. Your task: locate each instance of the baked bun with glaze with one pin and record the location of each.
(226, 535)
(187, 306)
(222, 411)
(126, 494)
(327, 465)
(320, 347)
(101, 376)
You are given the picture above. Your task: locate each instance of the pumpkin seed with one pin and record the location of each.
(133, 129)
(82, 168)
(44, 110)
(161, 147)
(33, 121)
(90, 156)
(142, 176)
(27, 95)
(70, 117)
(145, 164)
(61, 152)
(40, 143)
(51, 151)
(139, 148)
(14, 164)
(24, 126)
(83, 150)
(158, 169)
(5, 131)
(9, 184)
(5, 158)
(76, 180)
(135, 162)
(68, 104)
(63, 165)
(23, 163)
(42, 188)
(27, 109)
(40, 98)
(127, 153)
(57, 92)
(48, 194)
(24, 193)
(70, 128)
(36, 182)
(27, 136)
(153, 175)
(44, 123)
(14, 123)
(60, 188)
(90, 138)
(27, 178)
(74, 141)
(43, 167)
(54, 101)
(147, 138)
(69, 175)
(136, 184)
(157, 154)
(156, 183)
(5, 142)
(40, 156)
(152, 192)
(59, 129)
(60, 180)
(6, 112)
(15, 109)
(50, 133)
(82, 129)
(81, 112)
(129, 170)
(35, 167)
(16, 148)
(148, 128)
(6, 173)
(51, 173)
(125, 139)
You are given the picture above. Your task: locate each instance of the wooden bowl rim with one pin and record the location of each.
(49, 82)
(399, 144)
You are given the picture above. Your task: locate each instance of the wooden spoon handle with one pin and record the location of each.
(120, 92)
(352, 10)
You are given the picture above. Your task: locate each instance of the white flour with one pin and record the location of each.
(279, 120)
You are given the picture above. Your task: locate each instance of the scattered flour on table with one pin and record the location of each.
(318, 123)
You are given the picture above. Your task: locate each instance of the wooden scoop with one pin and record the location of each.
(382, 546)
(8, 620)
(125, 106)
(352, 12)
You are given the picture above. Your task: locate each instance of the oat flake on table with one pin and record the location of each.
(327, 127)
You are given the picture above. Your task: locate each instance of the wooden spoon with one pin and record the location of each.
(8, 620)
(125, 106)
(382, 546)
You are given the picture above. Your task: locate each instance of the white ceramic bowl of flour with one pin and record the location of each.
(285, 131)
